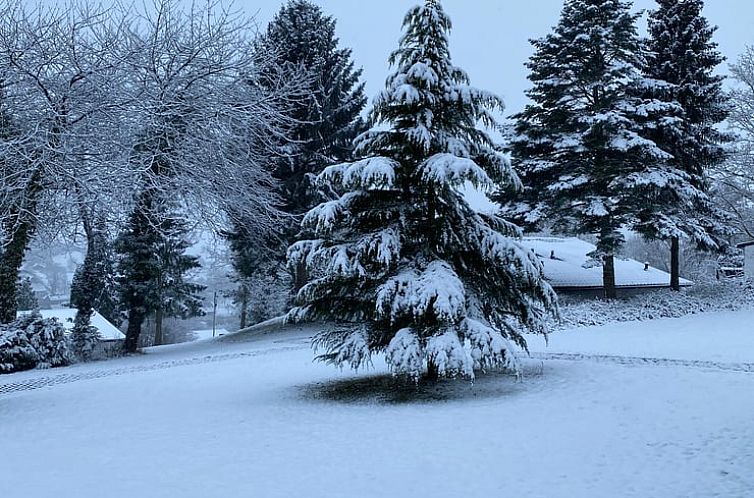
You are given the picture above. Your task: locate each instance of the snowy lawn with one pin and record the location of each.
(256, 418)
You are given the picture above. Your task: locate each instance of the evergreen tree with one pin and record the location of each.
(93, 289)
(256, 260)
(579, 147)
(26, 298)
(93, 283)
(681, 60)
(138, 266)
(400, 261)
(175, 297)
(153, 268)
(302, 38)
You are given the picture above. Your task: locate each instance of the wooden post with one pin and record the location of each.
(214, 313)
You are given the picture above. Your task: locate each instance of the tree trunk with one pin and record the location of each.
(300, 278)
(675, 264)
(158, 316)
(135, 320)
(608, 276)
(19, 227)
(433, 373)
(244, 305)
(11, 260)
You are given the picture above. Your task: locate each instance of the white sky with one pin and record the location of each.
(490, 37)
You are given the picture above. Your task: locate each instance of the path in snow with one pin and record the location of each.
(54, 380)
(647, 361)
(67, 378)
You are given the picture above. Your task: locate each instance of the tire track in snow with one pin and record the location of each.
(68, 378)
(647, 361)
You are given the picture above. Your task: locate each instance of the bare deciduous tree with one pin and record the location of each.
(204, 132)
(735, 178)
(58, 67)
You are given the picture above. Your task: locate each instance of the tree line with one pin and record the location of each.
(134, 126)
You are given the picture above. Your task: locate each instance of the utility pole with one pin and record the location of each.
(214, 313)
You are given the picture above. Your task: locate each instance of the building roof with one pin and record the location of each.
(745, 244)
(200, 335)
(570, 268)
(66, 316)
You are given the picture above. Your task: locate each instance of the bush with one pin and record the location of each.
(703, 298)
(84, 340)
(33, 342)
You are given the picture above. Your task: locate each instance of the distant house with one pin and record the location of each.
(107, 331)
(748, 248)
(567, 269)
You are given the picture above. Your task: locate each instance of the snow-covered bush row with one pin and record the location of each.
(33, 342)
(721, 296)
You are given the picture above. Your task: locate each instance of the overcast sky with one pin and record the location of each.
(490, 37)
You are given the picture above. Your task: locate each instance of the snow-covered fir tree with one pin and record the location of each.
(578, 147)
(681, 62)
(399, 261)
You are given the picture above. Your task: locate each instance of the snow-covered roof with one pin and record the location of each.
(66, 316)
(568, 268)
(200, 335)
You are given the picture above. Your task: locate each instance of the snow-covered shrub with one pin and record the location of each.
(33, 342)
(85, 339)
(704, 298)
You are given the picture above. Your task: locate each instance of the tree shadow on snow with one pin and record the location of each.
(388, 390)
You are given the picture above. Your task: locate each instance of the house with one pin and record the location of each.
(108, 332)
(568, 269)
(748, 248)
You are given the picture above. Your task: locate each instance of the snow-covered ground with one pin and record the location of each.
(651, 409)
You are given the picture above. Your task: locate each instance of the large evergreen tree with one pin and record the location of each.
(681, 60)
(579, 147)
(400, 261)
(18, 208)
(302, 38)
